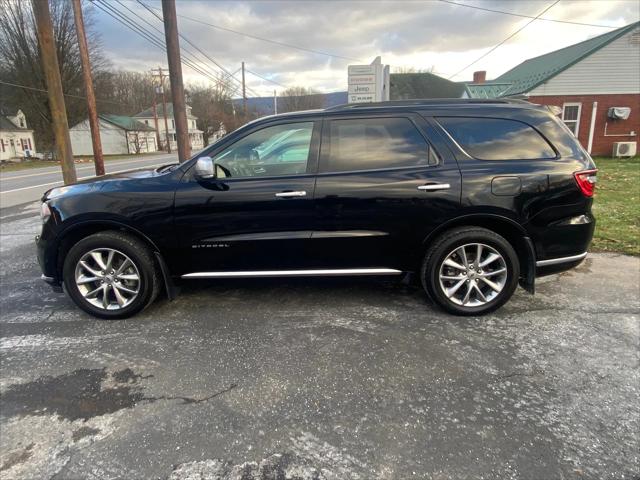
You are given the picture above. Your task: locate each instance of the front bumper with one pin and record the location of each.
(45, 260)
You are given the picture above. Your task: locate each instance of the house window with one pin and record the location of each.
(173, 124)
(21, 122)
(571, 116)
(146, 122)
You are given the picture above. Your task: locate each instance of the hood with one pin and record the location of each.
(97, 183)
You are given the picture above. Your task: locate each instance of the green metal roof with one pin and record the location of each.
(486, 90)
(535, 71)
(126, 123)
(406, 86)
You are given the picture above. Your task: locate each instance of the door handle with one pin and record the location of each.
(299, 193)
(430, 187)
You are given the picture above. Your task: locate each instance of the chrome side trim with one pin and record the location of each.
(554, 261)
(47, 279)
(295, 273)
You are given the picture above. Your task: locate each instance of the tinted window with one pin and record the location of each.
(497, 139)
(277, 150)
(361, 144)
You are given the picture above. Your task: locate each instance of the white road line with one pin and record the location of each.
(77, 168)
(58, 182)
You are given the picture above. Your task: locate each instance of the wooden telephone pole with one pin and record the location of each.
(98, 159)
(46, 40)
(162, 76)
(175, 77)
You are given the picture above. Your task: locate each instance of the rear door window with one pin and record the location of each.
(374, 143)
(497, 139)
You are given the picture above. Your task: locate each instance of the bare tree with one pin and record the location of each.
(213, 104)
(123, 92)
(20, 63)
(294, 99)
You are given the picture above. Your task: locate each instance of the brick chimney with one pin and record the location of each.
(480, 77)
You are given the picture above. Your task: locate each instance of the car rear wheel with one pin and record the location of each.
(111, 275)
(470, 271)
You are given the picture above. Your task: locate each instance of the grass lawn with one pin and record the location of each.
(24, 165)
(617, 206)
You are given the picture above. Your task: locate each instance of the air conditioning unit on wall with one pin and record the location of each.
(624, 149)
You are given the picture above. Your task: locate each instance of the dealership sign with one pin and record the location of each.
(368, 83)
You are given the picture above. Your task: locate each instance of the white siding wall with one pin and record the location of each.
(113, 139)
(612, 69)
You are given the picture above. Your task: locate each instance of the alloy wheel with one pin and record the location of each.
(107, 279)
(473, 275)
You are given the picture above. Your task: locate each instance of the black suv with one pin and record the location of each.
(473, 196)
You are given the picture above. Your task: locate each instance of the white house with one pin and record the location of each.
(16, 138)
(148, 118)
(119, 135)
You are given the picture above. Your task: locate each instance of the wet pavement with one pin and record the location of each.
(319, 379)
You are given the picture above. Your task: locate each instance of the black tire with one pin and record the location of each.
(446, 244)
(136, 251)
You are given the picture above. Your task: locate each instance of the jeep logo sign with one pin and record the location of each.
(368, 83)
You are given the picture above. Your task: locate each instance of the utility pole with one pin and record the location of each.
(175, 77)
(98, 159)
(275, 103)
(162, 76)
(244, 93)
(46, 40)
(155, 119)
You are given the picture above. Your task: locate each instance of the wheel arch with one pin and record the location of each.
(508, 228)
(68, 237)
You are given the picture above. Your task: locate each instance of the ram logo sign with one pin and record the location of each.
(368, 83)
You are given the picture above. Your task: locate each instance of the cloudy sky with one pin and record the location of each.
(429, 35)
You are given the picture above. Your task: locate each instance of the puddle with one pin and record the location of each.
(73, 396)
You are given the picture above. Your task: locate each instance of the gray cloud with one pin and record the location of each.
(424, 33)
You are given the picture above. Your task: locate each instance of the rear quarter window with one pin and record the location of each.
(497, 139)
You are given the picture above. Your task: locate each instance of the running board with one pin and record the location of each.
(295, 273)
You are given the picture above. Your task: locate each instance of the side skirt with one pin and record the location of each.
(295, 273)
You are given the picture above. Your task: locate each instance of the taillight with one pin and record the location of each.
(586, 181)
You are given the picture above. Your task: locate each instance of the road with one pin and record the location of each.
(27, 185)
(327, 379)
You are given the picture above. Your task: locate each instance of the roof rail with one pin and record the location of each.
(424, 102)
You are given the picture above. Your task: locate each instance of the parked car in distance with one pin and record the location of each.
(474, 197)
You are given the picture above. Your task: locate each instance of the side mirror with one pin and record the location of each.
(204, 168)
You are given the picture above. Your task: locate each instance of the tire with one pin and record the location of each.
(491, 284)
(129, 291)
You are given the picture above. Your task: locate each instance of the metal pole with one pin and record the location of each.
(244, 93)
(98, 159)
(275, 103)
(46, 40)
(175, 77)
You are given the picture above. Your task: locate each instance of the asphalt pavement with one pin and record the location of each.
(26, 185)
(350, 378)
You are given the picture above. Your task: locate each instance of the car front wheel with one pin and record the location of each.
(470, 271)
(110, 275)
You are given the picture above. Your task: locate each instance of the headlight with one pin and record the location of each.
(45, 212)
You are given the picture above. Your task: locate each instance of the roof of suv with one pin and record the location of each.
(418, 104)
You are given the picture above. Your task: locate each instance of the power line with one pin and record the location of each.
(475, 7)
(265, 78)
(26, 87)
(268, 40)
(150, 37)
(505, 40)
(184, 38)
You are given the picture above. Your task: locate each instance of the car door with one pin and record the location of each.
(257, 213)
(381, 188)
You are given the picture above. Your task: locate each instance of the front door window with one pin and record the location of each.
(276, 150)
